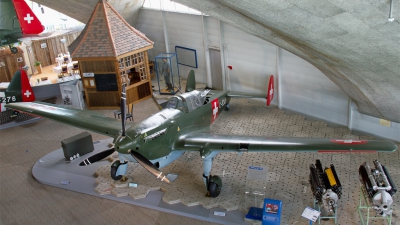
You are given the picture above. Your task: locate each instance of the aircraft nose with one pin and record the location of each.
(123, 144)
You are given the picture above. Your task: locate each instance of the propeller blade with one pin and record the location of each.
(123, 106)
(97, 157)
(149, 166)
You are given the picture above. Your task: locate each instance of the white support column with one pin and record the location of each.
(206, 50)
(222, 52)
(164, 23)
(350, 115)
(279, 76)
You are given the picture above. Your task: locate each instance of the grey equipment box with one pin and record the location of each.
(77, 145)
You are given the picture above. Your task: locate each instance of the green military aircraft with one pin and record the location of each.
(184, 125)
(16, 21)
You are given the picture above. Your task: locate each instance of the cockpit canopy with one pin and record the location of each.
(189, 101)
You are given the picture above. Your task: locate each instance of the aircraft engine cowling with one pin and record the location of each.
(378, 187)
(325, 186)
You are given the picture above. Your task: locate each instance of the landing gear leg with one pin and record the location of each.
(119, 168)
(227, 107)
(213, 183)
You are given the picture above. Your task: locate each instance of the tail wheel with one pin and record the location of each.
(213, 189)
(114, 168)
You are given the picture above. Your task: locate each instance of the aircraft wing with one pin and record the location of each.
(87, 120)
(235, 94)
(209, 142)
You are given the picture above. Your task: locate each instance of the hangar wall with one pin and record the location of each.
(304, 88)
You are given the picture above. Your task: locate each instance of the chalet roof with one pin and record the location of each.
(107, 34)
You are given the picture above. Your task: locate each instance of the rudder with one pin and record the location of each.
(190, 82)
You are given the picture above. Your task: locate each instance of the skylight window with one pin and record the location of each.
(168, 5)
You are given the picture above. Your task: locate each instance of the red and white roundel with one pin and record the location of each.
(214, 107)
(270, 94)
(349, 142)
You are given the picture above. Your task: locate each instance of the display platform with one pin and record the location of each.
(54, 170)
(14, 124)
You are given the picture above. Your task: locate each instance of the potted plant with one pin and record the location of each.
(38, 66)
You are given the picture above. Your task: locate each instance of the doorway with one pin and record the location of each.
(216, 69)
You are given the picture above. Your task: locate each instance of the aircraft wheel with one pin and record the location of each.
(213, 189)
(114, 168)
(214, 186)
(14, 114)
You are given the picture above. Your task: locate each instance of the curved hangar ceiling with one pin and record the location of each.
(351, 42)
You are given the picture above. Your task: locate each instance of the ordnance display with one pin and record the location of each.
(325, 186)
(378, 187)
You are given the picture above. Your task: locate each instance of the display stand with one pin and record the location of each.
(256, 182)
(71, 94)
(318, 207)
(167, 70)
(368, 207)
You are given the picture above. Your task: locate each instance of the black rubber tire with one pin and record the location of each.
(213, 189)
(114, 172)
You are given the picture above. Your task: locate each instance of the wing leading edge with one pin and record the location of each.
(208, 142)
(88, 120)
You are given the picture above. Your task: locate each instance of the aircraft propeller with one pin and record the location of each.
(97, 157)
(101, 155)
(143, 161)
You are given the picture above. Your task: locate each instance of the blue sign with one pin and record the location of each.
(255, 168)
(272, 211)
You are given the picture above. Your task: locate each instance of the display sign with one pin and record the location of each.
(43, 45)
(257, 173)
(88, 74)
(385, 123)
(272, 211)
(310, 214)
(106, 82)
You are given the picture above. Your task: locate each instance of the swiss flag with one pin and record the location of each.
(30, 24)
(270, 94)
(26, 89)
(214, 106)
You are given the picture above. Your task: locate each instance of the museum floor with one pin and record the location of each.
(25, 201)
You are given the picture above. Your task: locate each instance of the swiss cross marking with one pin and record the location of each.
(28, 18)
(27, 93)
(214, 106)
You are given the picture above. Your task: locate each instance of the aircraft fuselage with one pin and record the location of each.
(157, 136)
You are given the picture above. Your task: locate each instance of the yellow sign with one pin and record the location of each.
(385, 123)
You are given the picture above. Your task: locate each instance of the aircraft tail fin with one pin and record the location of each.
(190, 82)
(20, 87)
(30, 24)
